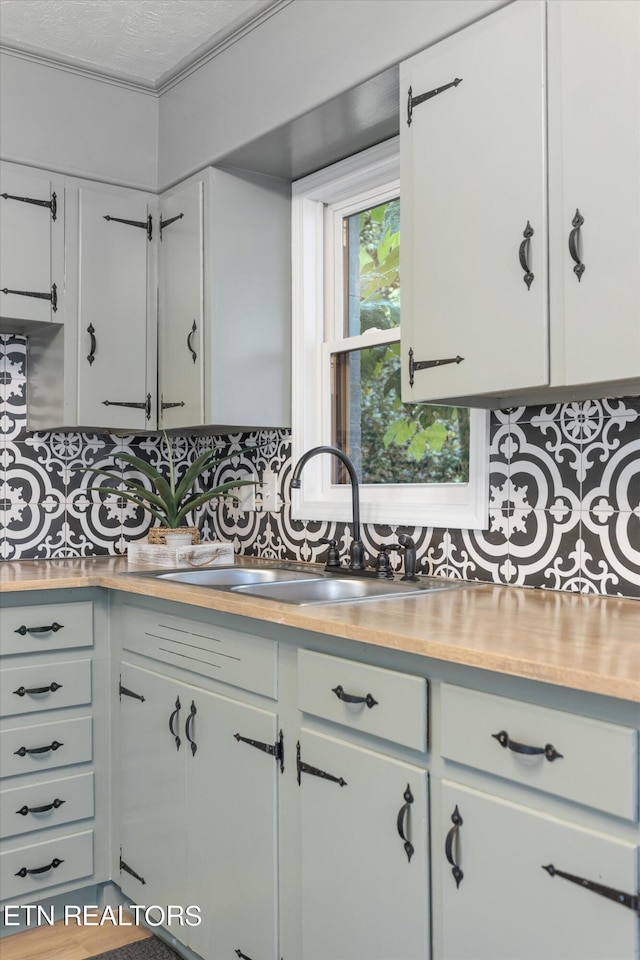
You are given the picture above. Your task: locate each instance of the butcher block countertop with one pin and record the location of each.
(578, 641)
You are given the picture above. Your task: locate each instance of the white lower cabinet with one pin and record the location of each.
(365, 862)
(198, 827)
(523, 884)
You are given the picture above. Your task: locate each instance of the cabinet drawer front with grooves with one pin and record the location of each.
(380, 702)
(50, 804)
(45, 627)
(50, 686)
(589, 761)
(33, 749)
(240, 659)
(67, 858)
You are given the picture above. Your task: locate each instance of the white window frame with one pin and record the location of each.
(315, 302)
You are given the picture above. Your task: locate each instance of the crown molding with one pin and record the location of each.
(156, 88)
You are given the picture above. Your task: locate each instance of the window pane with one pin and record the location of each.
(388, 441)
(372, 269)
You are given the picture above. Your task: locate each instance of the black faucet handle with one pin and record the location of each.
(333, 557)
(383, 565)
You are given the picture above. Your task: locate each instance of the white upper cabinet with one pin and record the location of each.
(31, 245)
(473, 164)
(181, 305)
(115, 370)
(474, 258)
(594, 173)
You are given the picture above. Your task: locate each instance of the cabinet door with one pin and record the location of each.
(362, 896)
(26, 231)
(112, 314)
(180, 333)
(473, 185)
(152, 802)
(594, 101)
(232, 788)
(506, 904)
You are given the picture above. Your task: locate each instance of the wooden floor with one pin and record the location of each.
(70, 942)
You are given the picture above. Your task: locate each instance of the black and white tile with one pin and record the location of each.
(564, 508)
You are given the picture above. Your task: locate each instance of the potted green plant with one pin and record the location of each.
(169, 500)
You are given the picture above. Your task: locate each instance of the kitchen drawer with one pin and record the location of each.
(50, 804)
(32, 749)
(240, 659)
(49, 686)
(45, 865)
(596, 763)
(387, 704)
(45, 627)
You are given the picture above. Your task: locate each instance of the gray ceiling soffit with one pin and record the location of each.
(352, 121)
(186, 66)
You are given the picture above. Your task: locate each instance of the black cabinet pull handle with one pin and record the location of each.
(574, 236)
(241, 955)
(549, 751)
(350, 698)
(51, 628)
(403, 817)
(523, 255)
(187, 729)
(91, 330)
(175, 715)
(23, 751)
(451, 838)
(23, 872)
(618, 896)
(194, 355)
(23, 811)
(21, 691)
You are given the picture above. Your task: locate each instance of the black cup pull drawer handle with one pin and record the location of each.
(175, 716)
(350, 698)
(21, 691)
(23, 811)
(187, 729)
(23, 751)
(523, 254)
(457, 821)
(574, 236)
(549, 751)
(52, 628)
(403, 815)
(23, 872)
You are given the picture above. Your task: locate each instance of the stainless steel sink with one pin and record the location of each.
(341, 589)
(291, 583)
(233, 576)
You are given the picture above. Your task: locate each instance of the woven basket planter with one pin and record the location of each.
(157, 534)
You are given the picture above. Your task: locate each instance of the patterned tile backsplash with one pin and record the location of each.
(564, 502)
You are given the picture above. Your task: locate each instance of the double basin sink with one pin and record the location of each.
(288, 583)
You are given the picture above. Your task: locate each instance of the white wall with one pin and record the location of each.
(71, 123)
(302, 56)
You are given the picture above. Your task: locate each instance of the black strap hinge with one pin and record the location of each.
(146, 406)
(124, 692)
(52, 204)
(275, 750)
(165, 223)
(53, 296)
(414, 101)
(145, 224)
(624, 899)
(315, 771)
(425, 364)
(124, 867)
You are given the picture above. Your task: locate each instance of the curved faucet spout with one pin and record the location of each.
(357, 547)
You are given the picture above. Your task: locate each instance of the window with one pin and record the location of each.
(418, 464)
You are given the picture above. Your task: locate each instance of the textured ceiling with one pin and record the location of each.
(143, 40)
